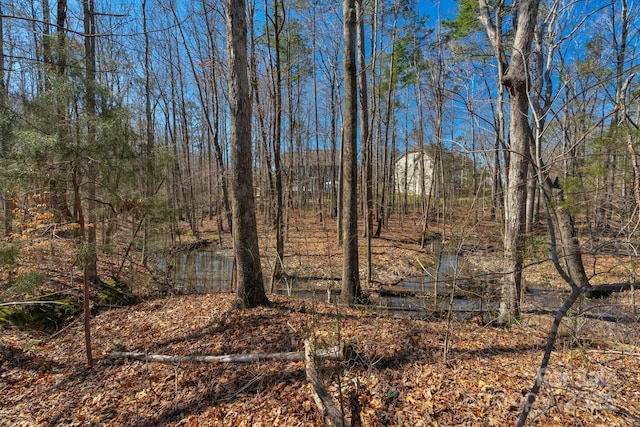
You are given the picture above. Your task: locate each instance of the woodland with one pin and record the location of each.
(340, 148)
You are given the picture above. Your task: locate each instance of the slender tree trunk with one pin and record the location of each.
(425, 196)
(177, 186)
(7, 206)
(90, 88)
(320, 165)
(532, 189)
(622, 119)
(250, 286)
(189, 191)
(277, 136)
(222, 169)
(497, 196)
(337, 168)
(261, 116)
(388, 155)
(46, 45)
(85, 276)
(351, 291)
(149, 134)
(365, 137)
(58, 196)
(437, 75)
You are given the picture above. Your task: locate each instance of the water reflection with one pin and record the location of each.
(199, 271)
(207, 271)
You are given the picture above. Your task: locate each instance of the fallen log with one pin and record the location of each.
(603, 291)
(339, 352)
(321, 396)
(6, 304)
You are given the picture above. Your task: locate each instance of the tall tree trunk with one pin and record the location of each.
(350, 270)
(5, 131)
(515, 81)
(515, 201)
(277, 138)
(149, 132)
(388, 155)
(336, 185)
(222, 169)
(320, 164)
(46, 45)
(189, 191)
(90, 270)
(85, 288)
(437, 74)
(621, 118)
(176, 187)
(57, 186)
(209, 110)
(261, 116)
(250, 285)
(365, 137)
(90, 88)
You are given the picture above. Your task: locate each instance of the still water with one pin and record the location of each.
(207, 271)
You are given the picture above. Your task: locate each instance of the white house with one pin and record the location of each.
(413, 173)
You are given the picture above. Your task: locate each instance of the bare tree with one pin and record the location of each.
(7, 206)
(250, 286)
(365, 136)
(350, 271)
(90, 87)
(514, 77)
(91, 258)
(58, 191)
(149, 131)
(214, 127)
(277, 21)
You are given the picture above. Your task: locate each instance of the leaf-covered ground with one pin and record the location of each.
(399, 376)
(407, 371)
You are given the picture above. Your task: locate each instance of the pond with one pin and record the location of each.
(208, 271)
(199, 271)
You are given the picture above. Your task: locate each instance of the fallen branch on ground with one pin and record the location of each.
(333, 353)
(6, 304)
(320, 394)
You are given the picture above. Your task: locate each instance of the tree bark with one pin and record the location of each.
(278, 267)
(7, 203)
(515, 204)
(365, 137)
(90, 88)
(515, 80)
(250, 285)
(58, 196)
(149, 132)
(350, 269)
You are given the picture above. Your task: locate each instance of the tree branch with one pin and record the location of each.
(334, 353)
(320, 394)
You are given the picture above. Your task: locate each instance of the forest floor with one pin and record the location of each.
(407, 371)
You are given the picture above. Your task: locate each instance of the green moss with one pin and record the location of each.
(114, 292)
(48, 315)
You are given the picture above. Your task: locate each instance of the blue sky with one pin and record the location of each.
(447, 8)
